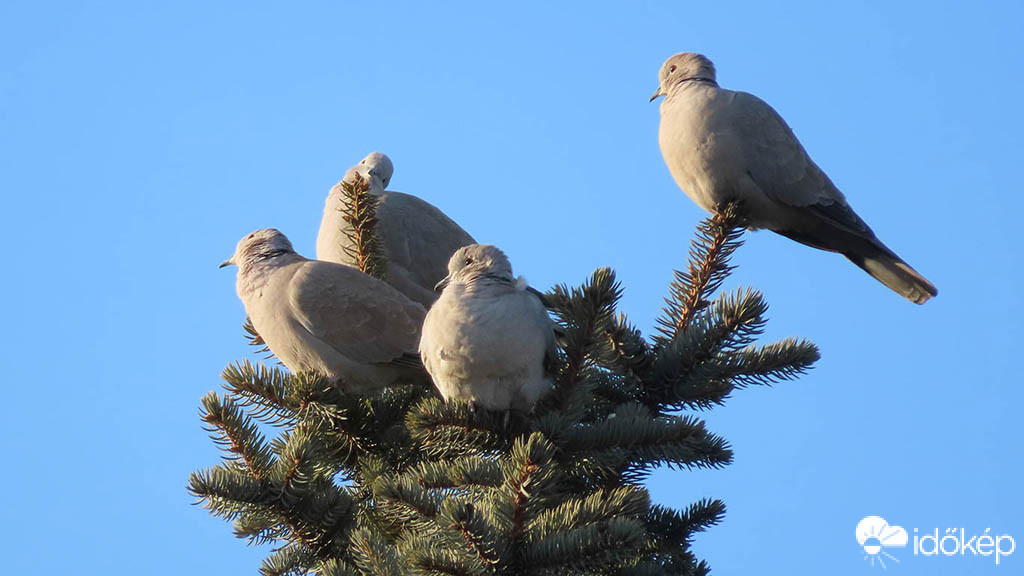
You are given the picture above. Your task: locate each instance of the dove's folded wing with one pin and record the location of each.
(782, 169)
(418, 236)
(361, 317)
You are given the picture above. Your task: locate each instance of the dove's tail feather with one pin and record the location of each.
(867, 252)
(892, 271)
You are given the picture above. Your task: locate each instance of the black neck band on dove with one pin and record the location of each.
(698, 79)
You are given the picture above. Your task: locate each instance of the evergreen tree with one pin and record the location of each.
(400, 482)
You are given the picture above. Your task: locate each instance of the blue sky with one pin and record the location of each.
(140, 140)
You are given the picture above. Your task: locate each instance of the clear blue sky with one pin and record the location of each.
(140, 140)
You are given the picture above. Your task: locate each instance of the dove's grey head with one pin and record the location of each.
(376, 166)
(684, 67)
(472, 263)
(258, 246)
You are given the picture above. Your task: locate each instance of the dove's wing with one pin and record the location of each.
(418, 237)
(551, 349)
(552, 332)
(782, 169)
(361, 317)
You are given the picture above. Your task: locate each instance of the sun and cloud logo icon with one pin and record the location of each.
(874, 534)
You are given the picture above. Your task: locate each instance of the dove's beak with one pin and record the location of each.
(443, 283)
(227, 262)
(656, 94)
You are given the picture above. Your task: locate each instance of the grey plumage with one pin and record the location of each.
(723, 146)
(325, 317)
(417, 239)
(488, 339)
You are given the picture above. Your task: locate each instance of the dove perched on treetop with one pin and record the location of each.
(723, 146)
(416, 238)
(325, 317)
(488, 340)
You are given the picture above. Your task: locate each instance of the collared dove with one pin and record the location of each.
(416, 238)
(488, 339)
(722, 146)
(325, 317)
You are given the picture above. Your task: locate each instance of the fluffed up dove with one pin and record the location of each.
(488, 339)
(723, 146)
(416, 238)
(325, 317)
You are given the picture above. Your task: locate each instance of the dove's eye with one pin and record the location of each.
(672, 69)
(468, 261)
(251, 236)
